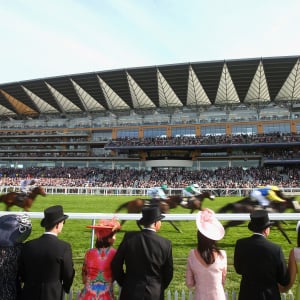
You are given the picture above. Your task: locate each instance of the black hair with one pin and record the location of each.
(206, 248)
(298, 237)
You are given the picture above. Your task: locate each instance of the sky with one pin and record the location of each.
(46, 38)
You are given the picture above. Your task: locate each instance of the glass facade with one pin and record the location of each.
(183, 131)
(213, 130)
(155, 132)
(277, 127)
(132, 133)
(244, 129)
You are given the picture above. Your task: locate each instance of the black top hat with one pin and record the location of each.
(151, 215)
(53, 215)
(259, 221)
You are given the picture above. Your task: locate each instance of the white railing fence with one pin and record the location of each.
(139, 192)
(184, 295)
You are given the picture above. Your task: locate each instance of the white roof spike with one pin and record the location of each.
(167, 97)
(196, 95)
(87, 100)
(42, 105)
(291, 87)
(258, 91)
(113, 100)
(139, 98)
(64, 103)
(226, 93)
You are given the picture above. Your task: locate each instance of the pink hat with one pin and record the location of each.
(105, 227)
(209, 226)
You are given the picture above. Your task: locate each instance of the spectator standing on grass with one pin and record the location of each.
(46, 262)
(207, 264)
(14, 230)
(143, 264)
(294, 266)
(260, 262)
(96, 270)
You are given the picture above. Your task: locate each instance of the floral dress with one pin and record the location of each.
(9, 282)
(96, 274)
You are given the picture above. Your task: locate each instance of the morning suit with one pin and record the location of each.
(262, 266)
(46, 268)
(149, 265)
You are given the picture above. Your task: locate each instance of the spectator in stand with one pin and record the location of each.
(207, 264)
(96, 270)
(14, 230)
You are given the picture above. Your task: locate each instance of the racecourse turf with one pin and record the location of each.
(78, 235)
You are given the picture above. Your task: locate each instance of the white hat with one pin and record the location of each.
(209, 226)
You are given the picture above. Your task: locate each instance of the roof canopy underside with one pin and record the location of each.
(252, 82)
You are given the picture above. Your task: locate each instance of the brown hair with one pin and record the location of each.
(206, 248)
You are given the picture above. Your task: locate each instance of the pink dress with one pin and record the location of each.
(97, 275)
(208, 280)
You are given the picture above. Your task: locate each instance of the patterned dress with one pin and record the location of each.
(96, 274)
(9, 283)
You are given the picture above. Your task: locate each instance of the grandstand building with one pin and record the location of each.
(242, 112)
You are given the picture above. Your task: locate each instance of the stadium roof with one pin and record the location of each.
(229, 83)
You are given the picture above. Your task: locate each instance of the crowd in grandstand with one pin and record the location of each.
(229, 177)
(275, 137)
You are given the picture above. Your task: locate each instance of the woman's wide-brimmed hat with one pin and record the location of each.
(150, 214)
(14, 229)
(53, 215)
(259, 220)
(105, 228)
(209, 225)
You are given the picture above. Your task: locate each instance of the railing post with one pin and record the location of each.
(176, 295)
(169, 295)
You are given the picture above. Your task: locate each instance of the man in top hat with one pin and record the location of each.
(260, 262)
(147, 258)
(46, 262)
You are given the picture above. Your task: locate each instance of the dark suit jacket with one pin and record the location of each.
(46, 268)
(149, 266)
(262, 266)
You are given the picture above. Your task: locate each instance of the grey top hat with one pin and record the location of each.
(259, 221)
(53, 215)
(150, 215)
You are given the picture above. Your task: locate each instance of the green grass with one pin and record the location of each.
(78, 235)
